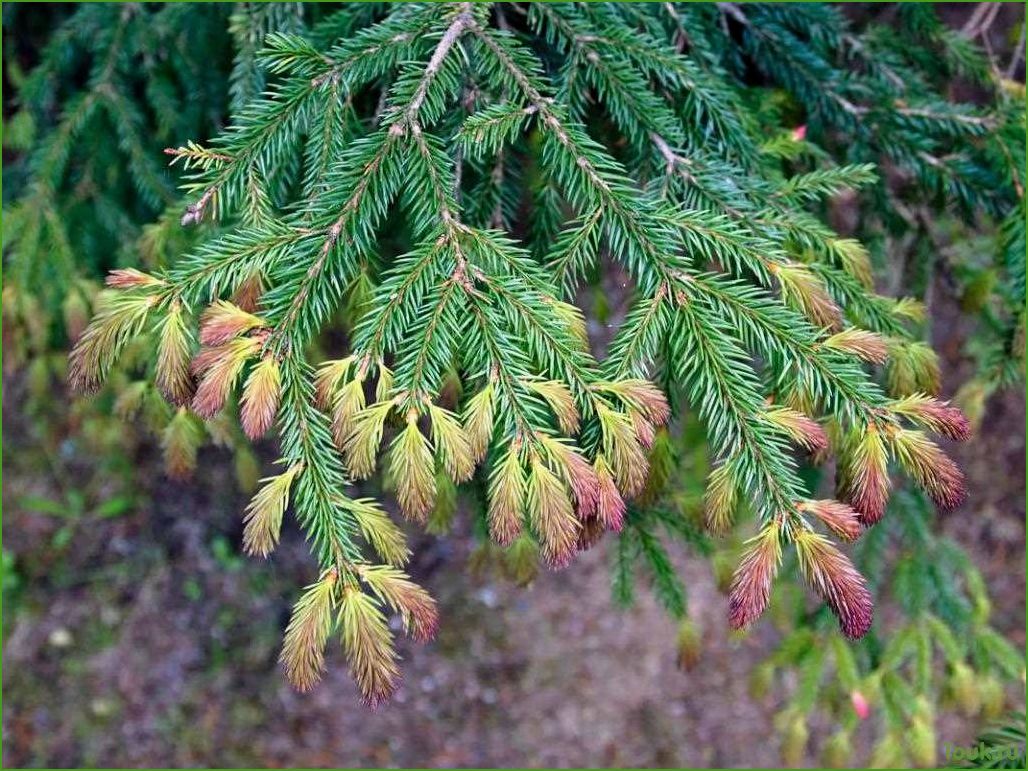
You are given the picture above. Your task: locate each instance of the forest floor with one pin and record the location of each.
(146, 641)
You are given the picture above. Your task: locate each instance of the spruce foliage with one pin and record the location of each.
(444, 178)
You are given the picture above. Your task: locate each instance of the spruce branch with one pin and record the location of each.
(444, 179)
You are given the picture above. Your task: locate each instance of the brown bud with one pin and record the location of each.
(841, 586)
(552, 515)
(805, 431)
(865, 475)
(930, 467)
(130, 278)
(413, 469)
(751, 585)
(223, 321)
(506, 499)
(222, 369)
(416, 606)
(303, 648)
(863, 344)
(261, 396)
(720, 498)
(610, 506)
(368, 646)
(247, 296)
(576, 471)
(838, 517)
(934, 415)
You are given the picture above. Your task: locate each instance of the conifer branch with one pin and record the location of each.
(360, 184)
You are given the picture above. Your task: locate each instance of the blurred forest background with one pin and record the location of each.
(135, 633)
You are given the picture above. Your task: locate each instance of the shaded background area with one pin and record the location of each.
(135, 633)
(147, 640)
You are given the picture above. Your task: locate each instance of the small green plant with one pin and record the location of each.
(74, 510)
